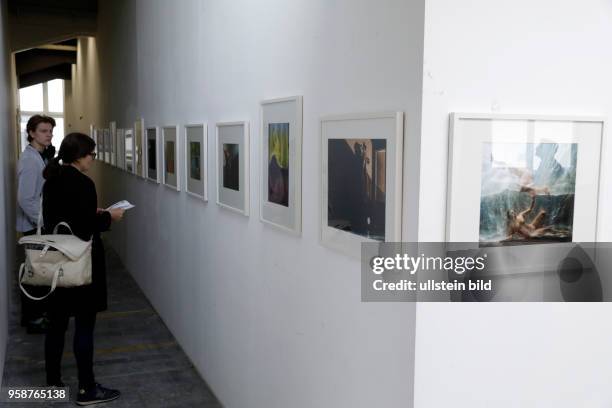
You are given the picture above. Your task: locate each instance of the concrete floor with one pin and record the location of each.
(134, 353)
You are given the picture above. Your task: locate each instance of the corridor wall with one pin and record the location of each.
(545, 57)
(7, 184)
(269, 319)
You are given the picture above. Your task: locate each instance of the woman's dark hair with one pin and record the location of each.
(36, 120)
(73, 147)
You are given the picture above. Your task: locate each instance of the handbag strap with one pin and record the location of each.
(60, 224)
(39, 222)
(53, 283)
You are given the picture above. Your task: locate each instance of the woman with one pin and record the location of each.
(70, 196)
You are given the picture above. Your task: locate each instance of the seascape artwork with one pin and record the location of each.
(231, 166)
(527, 193)
(278, 163)
(195, 156)
(169, 155)
(357, 186)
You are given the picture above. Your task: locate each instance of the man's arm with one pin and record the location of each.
(27, 198)
(527, 211)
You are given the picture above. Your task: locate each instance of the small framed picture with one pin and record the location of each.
(361, 180)
(152, 156)
(113, 136)
(93, 132)
(281, 163)
(232, 141)
(523, 179)
(170, 157)
(121, 148)
(108, 147)
(139, 137)
(196, 163)
(129, 150)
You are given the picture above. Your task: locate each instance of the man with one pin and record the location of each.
(30, 183)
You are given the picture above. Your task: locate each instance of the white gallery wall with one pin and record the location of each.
(7, 184)
(544, 57)
(269, 319)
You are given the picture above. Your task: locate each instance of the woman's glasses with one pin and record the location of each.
(93, 155)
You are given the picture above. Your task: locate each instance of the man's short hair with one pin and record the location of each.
(36, 120)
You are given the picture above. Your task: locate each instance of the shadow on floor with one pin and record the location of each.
(134, 352)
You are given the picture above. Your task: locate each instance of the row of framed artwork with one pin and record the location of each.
(512, 179)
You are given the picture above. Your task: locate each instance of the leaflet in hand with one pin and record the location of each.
(123, 204)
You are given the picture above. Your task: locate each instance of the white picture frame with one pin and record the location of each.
(113, 135)
(361, 180)
(196, 167)
(107, 146)
(152, 154)
(93, 132)
(233, 177)
(281, 204)
(170, 157)
(128, 153)
(121, 148)
(476, 139)
(139, 150)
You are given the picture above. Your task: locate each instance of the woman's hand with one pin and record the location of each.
(116, 214)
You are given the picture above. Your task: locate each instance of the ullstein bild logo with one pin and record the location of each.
(411, 264)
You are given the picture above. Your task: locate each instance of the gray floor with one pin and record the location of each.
(134, 352)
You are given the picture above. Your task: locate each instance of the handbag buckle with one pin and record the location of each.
(44, 251)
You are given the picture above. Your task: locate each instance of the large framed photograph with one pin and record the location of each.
(121, 148)
(139, 137)
(170, 157)
(152, 156)
(129, 150)
(281, 159)
(196, 163)
(232, 141)
(361, 180)
(523, 179)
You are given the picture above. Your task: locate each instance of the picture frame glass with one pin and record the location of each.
(281, 165)
(170, 168)
(152, 172)
(361, 180)
(196, 160)
(233, 166)
(517, 180)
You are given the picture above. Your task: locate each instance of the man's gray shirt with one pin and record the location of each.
(29, 188)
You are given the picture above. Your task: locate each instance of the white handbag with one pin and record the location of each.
(55, 260)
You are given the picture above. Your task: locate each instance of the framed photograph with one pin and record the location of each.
(129, 150)
(361, 180)
(232, 141)
(113, 136)
(121, 148)
(152, 155)
(108, 147)
(281, 159)
(196, 163)
(139, 137)
(170, 157)
(93, 133)
(523, 179)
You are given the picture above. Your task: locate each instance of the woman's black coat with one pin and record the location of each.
(70, 196)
